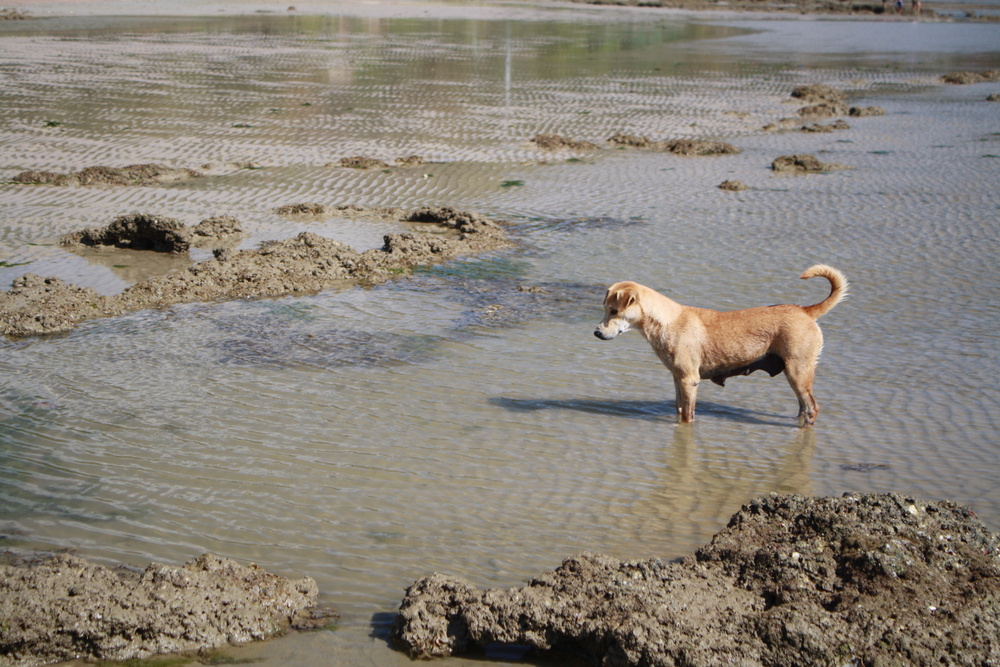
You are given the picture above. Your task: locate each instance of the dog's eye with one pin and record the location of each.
(613, 311)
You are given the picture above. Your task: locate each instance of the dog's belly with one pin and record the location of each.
(771, 363)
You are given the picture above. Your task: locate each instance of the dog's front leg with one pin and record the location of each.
(686, 391)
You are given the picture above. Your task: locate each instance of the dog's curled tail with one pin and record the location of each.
(838, 289)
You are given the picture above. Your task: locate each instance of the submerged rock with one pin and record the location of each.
(733, 186)
(64, 607)
(792, 580)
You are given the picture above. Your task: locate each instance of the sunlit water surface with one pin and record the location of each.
(454, 422)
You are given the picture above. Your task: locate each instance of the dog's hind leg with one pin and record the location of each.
(800, 376)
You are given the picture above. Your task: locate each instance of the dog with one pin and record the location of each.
(701, 344)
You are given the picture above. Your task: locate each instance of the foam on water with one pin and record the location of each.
(454, 421)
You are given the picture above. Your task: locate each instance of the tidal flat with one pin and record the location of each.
(464, 419)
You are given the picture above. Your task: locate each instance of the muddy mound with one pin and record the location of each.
(555, 142)
(699, 147)
(143, 231)
(410, 161)
(686, 147)
(863, 579)
(819, 92)
(315, 209)
(962, 78)
(803, 164)
(624, 140)
(824, 110)
(65, 607)
(139, 231)
(36, 305)
(136, 174)
(221, 230)
(362, 162)
(365, 162)
(733, 186)
(304, 208)
(307, 263)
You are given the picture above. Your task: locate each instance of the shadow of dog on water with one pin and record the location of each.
(638, 409)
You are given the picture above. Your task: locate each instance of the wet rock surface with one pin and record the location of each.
(306, 263)
(792, 580)
(64, 607)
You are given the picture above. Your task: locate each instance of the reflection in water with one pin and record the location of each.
(701, 487)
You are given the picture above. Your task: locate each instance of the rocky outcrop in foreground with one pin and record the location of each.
(307, 263)
(875, 579)
(65, 608)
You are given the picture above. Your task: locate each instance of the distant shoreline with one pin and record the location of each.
(931, 10)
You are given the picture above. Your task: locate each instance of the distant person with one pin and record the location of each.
(916, 6)
(899, 6)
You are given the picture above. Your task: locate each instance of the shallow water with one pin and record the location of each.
(367, 437)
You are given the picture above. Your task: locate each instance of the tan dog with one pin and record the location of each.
(701, 344)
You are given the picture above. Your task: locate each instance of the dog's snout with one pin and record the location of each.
(597, 332)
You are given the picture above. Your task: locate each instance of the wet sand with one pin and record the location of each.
(416, 429)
